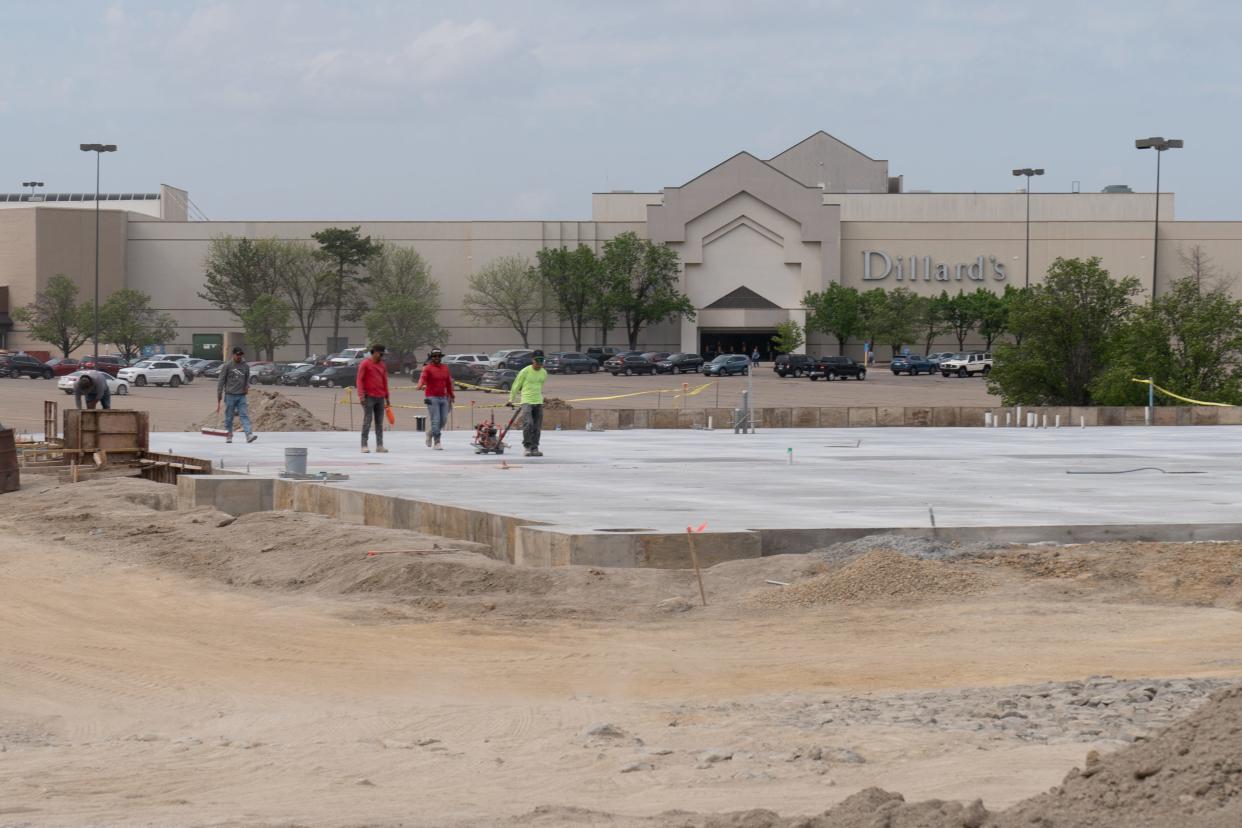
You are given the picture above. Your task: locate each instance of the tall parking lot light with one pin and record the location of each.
(98, 149)
(32, 185)
(1159, 144)
(1028, 172)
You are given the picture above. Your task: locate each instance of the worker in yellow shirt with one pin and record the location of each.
(527, 389)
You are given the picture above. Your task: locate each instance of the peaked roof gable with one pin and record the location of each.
(743, 299)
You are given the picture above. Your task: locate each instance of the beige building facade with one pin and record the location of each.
(753, 235)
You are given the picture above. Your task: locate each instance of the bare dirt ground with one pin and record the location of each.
(160, 667)
(175, 409)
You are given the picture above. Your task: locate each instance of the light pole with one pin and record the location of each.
(32, 185)
(98, 149)
(1159, 145)
(1028, 172)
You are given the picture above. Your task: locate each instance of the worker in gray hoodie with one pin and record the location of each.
(94, 386)
(232, 388)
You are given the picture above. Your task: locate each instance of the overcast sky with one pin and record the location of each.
(453, 110)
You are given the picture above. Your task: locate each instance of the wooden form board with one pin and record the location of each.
(117, 432)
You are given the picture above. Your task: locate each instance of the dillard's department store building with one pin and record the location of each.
(753, 236)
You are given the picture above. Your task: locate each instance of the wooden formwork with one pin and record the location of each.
(119, 434)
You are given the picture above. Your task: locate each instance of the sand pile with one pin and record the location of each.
(556, 404)
(270, 411)
(883, 574)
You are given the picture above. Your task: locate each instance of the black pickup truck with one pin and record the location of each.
(831, 367)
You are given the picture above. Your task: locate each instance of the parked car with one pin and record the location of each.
(479, 358)
(517, 360)
(467, 373)
(727, 364)
(108, 363)
(570, 362)
(831, 367)
(153, 372)
(792, 365)
(655, 357)
(115, 386)
(213, 372)
(628, 365)
(965, 365)
(206, 365)
(268, 373)
(499, 378)
(63, 365)
(603, 353)
(335, 376)
(911, 364)
(496, 360)
(938, 357)
(300, 375)
(680, 364)
(24, 365)
(349, 356)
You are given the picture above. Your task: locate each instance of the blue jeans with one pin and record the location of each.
(437, 415)
(236, 403)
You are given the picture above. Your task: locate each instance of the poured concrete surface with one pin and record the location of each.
(981, 483)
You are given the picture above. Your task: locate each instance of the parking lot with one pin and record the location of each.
(174, 409)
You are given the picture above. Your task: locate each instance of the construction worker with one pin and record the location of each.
(528, 385)
(373, 394)
(233, 387)
(94, 386)
(437, 383)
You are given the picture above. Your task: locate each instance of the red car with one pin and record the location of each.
(107, 364)
(63, 365)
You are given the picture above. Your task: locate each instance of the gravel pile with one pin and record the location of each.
(881, 575)
(926, 549)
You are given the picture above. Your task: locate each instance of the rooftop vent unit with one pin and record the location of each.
(1117, 188)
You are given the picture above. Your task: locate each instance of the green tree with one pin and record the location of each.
(1069, 326)
(236, 272)
(266, 323)
(128, 321)
(507, 289)
(56, 317)
(346, 253)
(789, 337)
(304, 283)
(573, 280)
(900, 319)
(992, 314)
(959, 314)
(873, 315)
(642, 282)
(928, 321)
(405, 302)
(835, 310)
(1187, 340)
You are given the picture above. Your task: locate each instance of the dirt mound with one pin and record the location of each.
(881, 575)
(556, 404)
(1197, 574)
(270, 411)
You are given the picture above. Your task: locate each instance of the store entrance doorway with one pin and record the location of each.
(734, 341)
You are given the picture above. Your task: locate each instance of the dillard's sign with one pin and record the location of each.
(879, 265)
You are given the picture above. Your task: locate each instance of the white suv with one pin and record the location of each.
(154, 372)
(966, 364)
(349, 356)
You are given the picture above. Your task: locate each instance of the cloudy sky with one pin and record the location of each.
(374, 109)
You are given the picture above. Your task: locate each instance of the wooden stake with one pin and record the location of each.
(694, 559)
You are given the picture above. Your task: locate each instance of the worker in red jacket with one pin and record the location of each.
(437, 383)
(373, 394)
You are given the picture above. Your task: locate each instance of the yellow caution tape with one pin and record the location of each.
(677, 392)
(1169, 393)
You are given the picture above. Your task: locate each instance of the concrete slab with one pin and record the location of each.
(999, 483)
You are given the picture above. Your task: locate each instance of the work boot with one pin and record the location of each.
(437, 446)
(381, 450)
(228, 439)
(428, 439)
(366, 450)
(250, 438)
